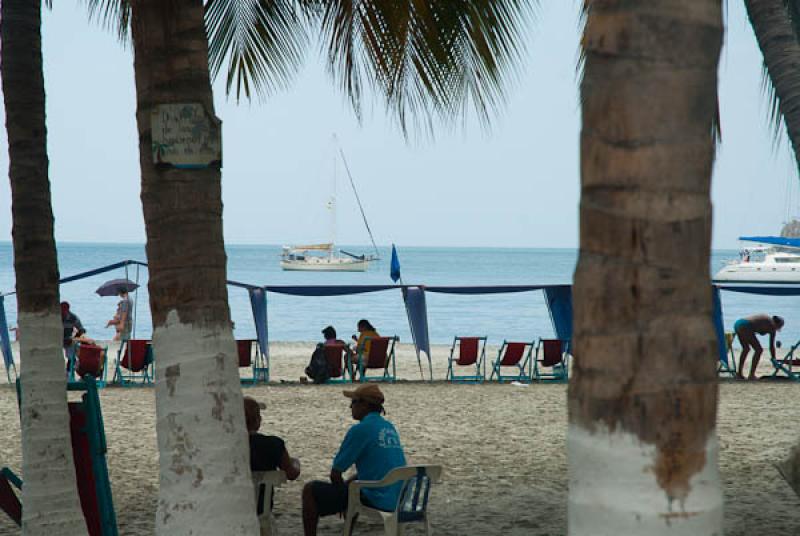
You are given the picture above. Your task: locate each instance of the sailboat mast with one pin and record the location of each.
(332, 208)
(358, 200)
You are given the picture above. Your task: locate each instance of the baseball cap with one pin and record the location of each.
(368, 392)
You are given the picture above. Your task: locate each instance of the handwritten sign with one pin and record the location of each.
(185, 136)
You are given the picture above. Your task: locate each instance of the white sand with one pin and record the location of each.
(502, 446)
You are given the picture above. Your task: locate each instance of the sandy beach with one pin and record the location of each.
(502, 447)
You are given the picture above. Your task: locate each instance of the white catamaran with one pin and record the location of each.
(775, 260)
(325, 257)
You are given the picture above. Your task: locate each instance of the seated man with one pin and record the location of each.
(267, 453)
(373, 445)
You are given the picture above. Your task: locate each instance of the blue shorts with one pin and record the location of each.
(740, 324)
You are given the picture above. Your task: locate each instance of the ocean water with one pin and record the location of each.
(519, 316)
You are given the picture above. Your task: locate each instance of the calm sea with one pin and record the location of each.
(501, 316)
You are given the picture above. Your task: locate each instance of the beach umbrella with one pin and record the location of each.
(114, 286)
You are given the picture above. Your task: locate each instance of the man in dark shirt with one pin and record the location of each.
(73, 329)
(267, 453)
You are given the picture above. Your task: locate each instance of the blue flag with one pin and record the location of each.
(394, 270)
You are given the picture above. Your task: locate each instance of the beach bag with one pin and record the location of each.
(317, 368)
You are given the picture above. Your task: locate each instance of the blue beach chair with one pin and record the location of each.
(550, 363)
(471, 354)
(89, 455)
(250, 355)
(516, 355)
(787, 366)
(134, 363)
(380, 357)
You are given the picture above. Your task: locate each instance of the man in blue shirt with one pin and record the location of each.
(373, 445)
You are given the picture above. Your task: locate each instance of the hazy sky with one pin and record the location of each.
(516, 185)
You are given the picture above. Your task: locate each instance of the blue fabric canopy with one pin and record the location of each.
(498, 289)
(719, 326)
(5, 341)
(417, 312)
(765, 289)
(258, 302)
(774, 240)
(326, 290)
(559, 303)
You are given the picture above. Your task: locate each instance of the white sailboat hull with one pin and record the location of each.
(325, 264)
(775, 267)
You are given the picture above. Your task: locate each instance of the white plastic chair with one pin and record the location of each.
(264, 482)
(412, 504)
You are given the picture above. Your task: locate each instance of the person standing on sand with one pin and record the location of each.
(122, 320)
(746, 329)
(373, 445)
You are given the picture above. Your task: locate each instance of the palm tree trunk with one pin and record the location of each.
(50, 495)
(781, 50)
(642, 404)
(205, 483)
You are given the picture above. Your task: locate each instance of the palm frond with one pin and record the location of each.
(262, 41)
(427, 58)
(114, 15)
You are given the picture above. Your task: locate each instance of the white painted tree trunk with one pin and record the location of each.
(614, 489)
(205, 483)
(49, 494)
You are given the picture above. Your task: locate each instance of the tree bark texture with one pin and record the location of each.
(205, 483)
(781, 50)
(50, 494)
(643, 400)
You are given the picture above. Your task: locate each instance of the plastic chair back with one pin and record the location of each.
(553, 352)
(514, 353)
(135, 358)
(244, 348)
(414, 497)
(333, 355)
(468, 351)
(90, 360)
(264, 483)
(378, 357)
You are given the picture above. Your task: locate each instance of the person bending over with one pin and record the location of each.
(746, 329)
(267, 453)
(373, 445)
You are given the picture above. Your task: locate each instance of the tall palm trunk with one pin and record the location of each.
(781, 50)
(205, 485)
(642, 441)
(50, 494)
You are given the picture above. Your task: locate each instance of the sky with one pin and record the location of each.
(515, 185)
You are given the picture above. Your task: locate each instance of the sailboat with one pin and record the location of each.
(324, 257)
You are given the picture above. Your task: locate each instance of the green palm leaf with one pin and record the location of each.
(427, 58)
(262, 40)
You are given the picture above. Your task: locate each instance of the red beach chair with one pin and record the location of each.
(250, 355)
(381, 355)
(9, 502)
(551, 363)
(92, 360)
(339, 367)
(516, 355)
(471, 353)
(136, 357)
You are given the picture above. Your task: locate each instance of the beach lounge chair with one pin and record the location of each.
(91, 471)
(728, 366)
(380, 357)
(340, 368)
(471, 354)
(89, 359)
(516, 355)
(9, 502)
(135, 356)
(787, 366)
(412, 504)
(265, 482)
(250, 355)
(550, 362)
